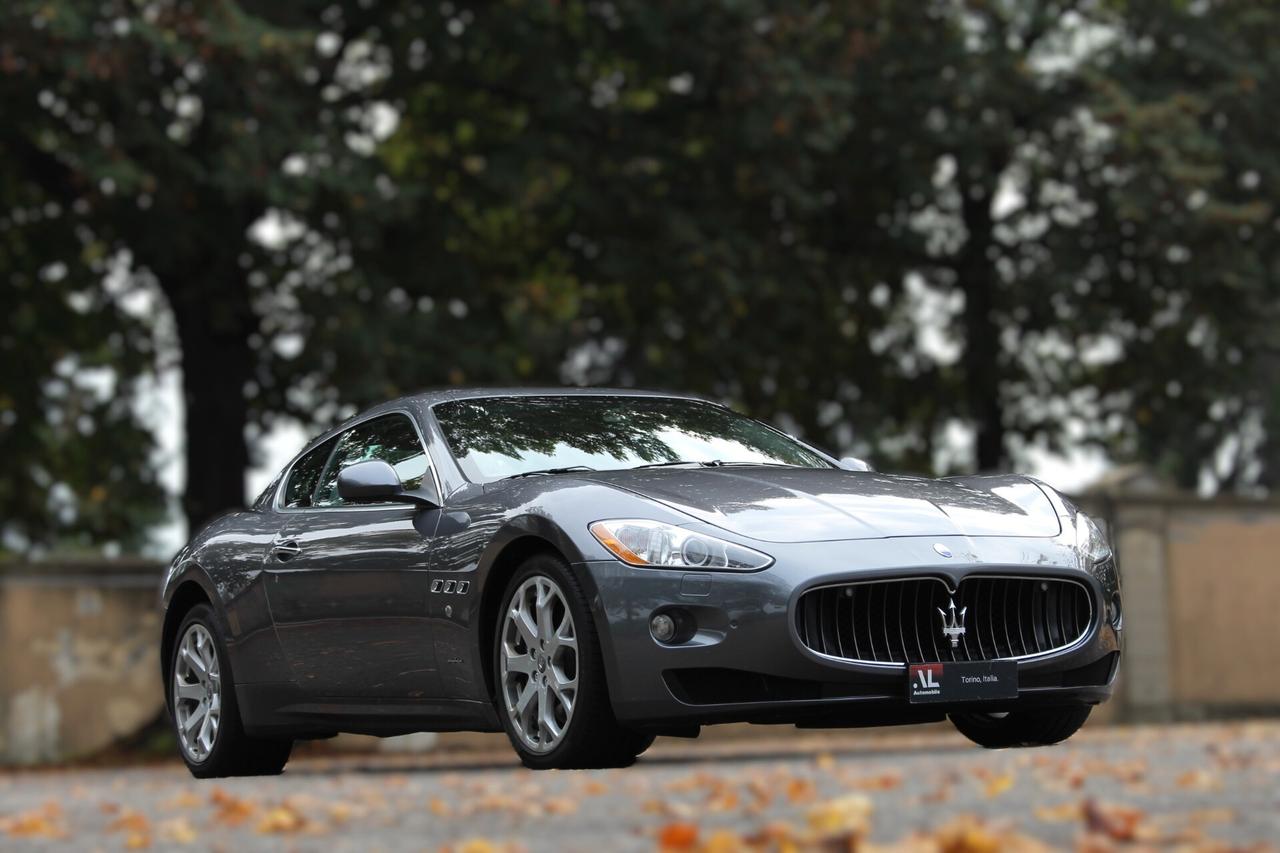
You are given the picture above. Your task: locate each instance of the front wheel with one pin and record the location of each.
(1036, 727)
(206, 718)
(550, 686)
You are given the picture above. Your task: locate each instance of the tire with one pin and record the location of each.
(220, 746)
(1038, 727)
(590, 736)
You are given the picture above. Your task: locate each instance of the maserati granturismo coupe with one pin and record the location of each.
(587, 570)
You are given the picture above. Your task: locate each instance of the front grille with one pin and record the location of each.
(897, 621)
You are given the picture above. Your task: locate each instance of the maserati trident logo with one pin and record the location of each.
(953, 629)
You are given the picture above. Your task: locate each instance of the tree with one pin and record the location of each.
(881, 224)
(162, 135)
(74, 462)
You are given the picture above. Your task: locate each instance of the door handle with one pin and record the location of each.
(284, 549)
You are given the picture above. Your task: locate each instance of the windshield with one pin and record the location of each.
(496, 437)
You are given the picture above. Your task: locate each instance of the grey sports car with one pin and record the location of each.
(587, 570)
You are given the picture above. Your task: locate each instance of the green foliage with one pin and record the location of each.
(878, 223)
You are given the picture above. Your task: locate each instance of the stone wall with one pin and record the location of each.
(1201, 591)
(78, 656)
(79, 641)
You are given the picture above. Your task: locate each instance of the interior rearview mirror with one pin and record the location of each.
(375, 481)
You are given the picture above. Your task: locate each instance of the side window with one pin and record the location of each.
(391, 438)
(305, 475)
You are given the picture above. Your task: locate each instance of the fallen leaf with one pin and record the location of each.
(45, 822)
(229, 809)
(1200, 780)
(1060, 813)
(178, 830)
(880, 782)
(185, 800)
(801, 790)
(130, 821)
(283, 818)
(1216, 815)
(997, 785)
(723, 841)
(478, 845)
(560, 806)
(678, 836)
(851, 813)
(1119, 823)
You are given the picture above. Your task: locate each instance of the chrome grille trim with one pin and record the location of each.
(1042, 621)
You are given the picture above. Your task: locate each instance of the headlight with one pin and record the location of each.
(638, 542)
(1090, 541)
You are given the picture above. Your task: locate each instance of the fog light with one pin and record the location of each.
(663, 628)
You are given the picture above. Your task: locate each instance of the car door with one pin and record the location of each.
(348, 584)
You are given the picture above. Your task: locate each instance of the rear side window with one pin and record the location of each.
(305, 475)
(391, 438)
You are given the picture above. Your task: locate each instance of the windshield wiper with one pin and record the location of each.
(766, 464)
(566, 470)
(712, 464)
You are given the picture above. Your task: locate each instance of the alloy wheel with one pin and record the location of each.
(538, 663)
(197, 692)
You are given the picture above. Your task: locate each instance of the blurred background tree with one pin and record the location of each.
(946, 234)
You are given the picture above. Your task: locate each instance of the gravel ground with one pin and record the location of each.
(1194, 786)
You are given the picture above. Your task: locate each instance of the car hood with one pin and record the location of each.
(812, 505)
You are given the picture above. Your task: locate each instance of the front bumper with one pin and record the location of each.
(747, 663)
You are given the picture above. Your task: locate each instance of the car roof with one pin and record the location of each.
(424, 400)
(430, 398)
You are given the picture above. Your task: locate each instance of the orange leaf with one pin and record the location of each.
(845, 814)
(997, 785)
(678, 836)
(1058, 814)
(1118, 823)
(283, 818)
(230, 809)
(799, 790)
(131, 821)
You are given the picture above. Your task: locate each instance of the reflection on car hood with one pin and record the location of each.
(813, 505)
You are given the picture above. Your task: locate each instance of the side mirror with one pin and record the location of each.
(853, 463)
(375, 481)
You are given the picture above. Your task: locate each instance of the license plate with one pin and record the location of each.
(962, 681)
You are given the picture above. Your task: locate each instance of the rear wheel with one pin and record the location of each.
(1035, 727)
(551, 691)
(206, 718)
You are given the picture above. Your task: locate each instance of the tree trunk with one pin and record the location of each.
(214, 319)
(981, 361)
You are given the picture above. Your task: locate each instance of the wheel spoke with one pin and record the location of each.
(545, 631)
(192, 659)
(525, 626)
(202, 736)
(563, 687)
(527, 695)
(561, 633)
(517, 662)
(547, 717)
(192, 692)
(197, 715)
